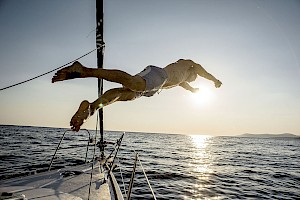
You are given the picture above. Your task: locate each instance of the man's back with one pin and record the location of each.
(179, 72)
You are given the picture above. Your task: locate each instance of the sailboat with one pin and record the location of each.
(92, 180)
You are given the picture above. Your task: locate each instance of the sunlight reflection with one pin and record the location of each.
(201, 157)
(200, 141)
(200, 164)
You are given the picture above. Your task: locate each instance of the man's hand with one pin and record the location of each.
(218, 83)
(186, 86)
(194, 90)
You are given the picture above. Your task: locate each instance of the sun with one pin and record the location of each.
(204, 96)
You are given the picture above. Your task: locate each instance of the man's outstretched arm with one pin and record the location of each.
(202, 72)
(186, 86)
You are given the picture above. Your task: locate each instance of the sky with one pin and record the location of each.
(253, 47)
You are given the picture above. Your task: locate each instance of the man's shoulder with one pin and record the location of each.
(183, 64)
(185, 61)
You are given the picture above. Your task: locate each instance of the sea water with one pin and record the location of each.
(178, 166)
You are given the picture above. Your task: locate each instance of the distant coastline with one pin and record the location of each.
(282, 135)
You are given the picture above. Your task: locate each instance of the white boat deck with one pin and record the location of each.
(69, 183)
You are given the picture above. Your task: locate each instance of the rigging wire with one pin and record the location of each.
(48, 71)
(125, 192)
(93, 159)
(145, 175)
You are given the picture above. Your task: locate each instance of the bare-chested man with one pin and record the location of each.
(145, 83)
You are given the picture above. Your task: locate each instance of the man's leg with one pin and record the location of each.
(77, 70)
(87, 109)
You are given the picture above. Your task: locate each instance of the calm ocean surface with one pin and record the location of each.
(178, 166)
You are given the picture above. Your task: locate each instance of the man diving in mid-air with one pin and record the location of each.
(146, 83)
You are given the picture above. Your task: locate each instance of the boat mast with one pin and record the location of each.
(100, 54)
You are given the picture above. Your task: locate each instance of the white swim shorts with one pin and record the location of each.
(155, 78)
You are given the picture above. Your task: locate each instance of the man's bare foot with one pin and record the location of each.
(80, 116)
(74, 71)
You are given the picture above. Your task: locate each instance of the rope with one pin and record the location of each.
(91, 178)
(48, 71)
(132, 178)
(57, 149)
(146, 177)
(125, 192)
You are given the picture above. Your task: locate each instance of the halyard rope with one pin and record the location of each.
(48, 71)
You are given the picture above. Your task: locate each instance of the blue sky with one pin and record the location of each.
(253, 47)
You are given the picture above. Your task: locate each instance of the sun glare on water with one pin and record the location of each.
(201, 156)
